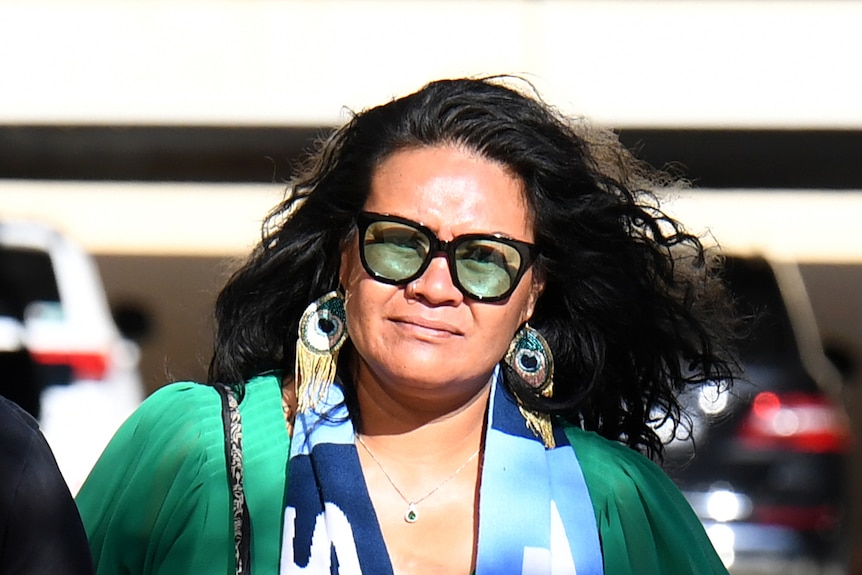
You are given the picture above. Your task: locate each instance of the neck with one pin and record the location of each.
(416, 429)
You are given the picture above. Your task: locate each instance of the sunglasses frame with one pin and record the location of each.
(526, 250)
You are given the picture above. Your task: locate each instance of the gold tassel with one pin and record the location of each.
(540, 425)
(314, 374)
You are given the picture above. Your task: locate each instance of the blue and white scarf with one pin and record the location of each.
(535, 514)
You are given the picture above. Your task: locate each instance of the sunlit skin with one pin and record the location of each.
(425, 353)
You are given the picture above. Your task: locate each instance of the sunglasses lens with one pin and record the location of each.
(394, 251)
(486, 267)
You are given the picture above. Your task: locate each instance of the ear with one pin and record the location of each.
(537, 286)
(347, 260)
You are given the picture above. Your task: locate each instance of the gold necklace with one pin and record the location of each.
(412, 514)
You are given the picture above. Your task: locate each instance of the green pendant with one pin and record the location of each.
(411, 516)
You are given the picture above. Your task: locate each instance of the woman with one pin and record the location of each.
(460, 324)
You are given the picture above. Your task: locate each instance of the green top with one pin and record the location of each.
(645, 524)
(157, 502)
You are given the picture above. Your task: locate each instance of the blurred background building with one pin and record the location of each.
(157, 134)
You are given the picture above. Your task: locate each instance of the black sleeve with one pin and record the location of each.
(40, 528)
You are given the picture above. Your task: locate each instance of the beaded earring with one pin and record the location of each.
(530, 357)
(322, 332)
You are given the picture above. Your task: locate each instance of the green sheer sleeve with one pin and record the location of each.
(645, 524)
(157, 501)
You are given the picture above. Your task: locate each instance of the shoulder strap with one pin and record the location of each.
(233, 456)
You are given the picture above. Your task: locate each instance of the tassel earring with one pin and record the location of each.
(530, 357)
(322, 332)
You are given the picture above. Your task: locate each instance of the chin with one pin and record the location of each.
(420, 365)
(430, 376)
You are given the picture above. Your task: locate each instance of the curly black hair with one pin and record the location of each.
(633, 307)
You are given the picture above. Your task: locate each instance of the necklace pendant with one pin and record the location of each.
(411, 515)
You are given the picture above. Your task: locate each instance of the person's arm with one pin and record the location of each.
(43, 531)
(645, 524)
(157, 500)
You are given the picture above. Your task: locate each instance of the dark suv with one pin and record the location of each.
(765, 467)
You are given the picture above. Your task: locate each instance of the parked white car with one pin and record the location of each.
(53, 306)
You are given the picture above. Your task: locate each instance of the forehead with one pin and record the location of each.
(452, 191)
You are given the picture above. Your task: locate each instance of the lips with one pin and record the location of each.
(429, 325)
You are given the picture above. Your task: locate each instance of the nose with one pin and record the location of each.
(435, 284)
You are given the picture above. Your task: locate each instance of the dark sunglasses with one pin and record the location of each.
(485, 267)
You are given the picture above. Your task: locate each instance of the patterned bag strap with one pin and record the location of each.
(233, 455)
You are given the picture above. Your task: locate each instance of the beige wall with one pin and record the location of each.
(177, 294)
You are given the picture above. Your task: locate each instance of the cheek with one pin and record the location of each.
(496, 330)
(523, 302)
(350, 277)
(503, 326)
(355, 318)
(365, 303)
(511, 328)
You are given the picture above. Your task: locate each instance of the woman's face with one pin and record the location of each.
(426, 339)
